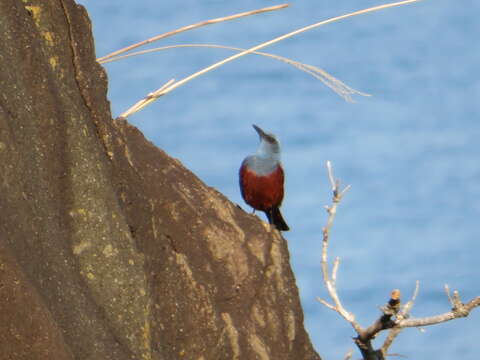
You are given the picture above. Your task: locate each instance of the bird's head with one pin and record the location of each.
(269, 144)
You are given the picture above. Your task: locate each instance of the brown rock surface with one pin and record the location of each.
(109, 248)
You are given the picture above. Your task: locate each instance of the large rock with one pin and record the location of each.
(109, 248)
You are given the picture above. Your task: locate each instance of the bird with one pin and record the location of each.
(262, 179)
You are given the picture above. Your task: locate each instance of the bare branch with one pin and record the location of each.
(330, 282)
(348, 355)
(327, 304)
(403, 314)
(190, 27)
(403, 321)
(333, 183)
(336, 263)
(385, 321)
(460, 310)
(447, 291)
(408, 306)
(394, 316)
(472, 304)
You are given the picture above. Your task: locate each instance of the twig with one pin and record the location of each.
(330, 282)
(394, 316)
(459, 310)
(333, 83)
(348, 355)
(447, 291)
(408, 306)
(385, 321)
(403, 314)
(102, 59)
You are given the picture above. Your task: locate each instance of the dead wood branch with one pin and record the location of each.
(394, 317)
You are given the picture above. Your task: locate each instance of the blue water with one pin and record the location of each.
(410, 151)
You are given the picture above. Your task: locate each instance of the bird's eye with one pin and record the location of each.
(271, 139)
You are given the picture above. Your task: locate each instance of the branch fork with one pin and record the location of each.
(394, 317)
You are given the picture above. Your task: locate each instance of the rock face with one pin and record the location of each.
(109, 248)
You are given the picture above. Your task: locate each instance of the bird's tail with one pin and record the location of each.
(275, 217)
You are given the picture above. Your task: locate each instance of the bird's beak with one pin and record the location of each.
(265, 136)
(259, 131)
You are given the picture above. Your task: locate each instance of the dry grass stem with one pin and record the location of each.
(103, 59)
(145, 101)
(333, 83)
(280, 38)
(174, 85)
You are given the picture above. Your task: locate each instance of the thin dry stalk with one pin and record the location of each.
(145, 101)
(191, 27)
(273, 41)
(333, 83)
(280, 38)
